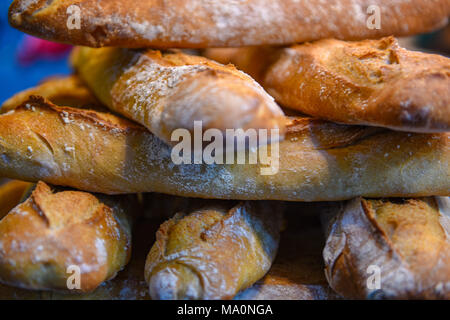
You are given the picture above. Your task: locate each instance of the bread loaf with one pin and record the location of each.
(65, 91)
(213, 251)
(373, 82)
(405, 242)
(205, 23)
(43, 238)
(318, 160)
(165, 91)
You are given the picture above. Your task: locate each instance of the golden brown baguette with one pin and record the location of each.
(407, 239)
(65, 91)
(204, 23)
(373, 82)
(319, 161)
(44, 236)
(165, 91)
(213, 250)
(10, 194)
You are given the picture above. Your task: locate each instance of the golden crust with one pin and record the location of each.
(319, 161)
(165, 91)
(64, 91)
(406, 239)
(51, 231)
(372, 82)
(203, 23)
(213, 251)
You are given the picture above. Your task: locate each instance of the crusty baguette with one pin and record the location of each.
(206, 23)
(213, 250)
(319, 161)
(51, 231)
(165, 91)
(65, 91)
(10, 194)
(373, 82)
(408, 240)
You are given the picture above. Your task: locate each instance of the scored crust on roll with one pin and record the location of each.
(406, 239)
(372, 82)
(50, 232)
(166, 91)
(318, 160)
(205, 23)
(213, 250)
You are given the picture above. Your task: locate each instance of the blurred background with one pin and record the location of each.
(25, 61)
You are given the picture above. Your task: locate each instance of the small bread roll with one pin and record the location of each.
(43, 237)
(213, 251)
(405, 240)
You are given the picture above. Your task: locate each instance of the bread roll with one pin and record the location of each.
(10, 194)
(212, 251)
(373, 82)
(318, 161)
(206, 23)
(51, 231)
(65, 91)
(406, 240)
(170, 90)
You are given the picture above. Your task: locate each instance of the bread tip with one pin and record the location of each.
(172, 284)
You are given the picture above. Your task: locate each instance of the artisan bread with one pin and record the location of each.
(45, 236)
(65, 91)
(165, 91)
(205, 23)
(372, 82)
(213, 250)
(318, 160)
(405, 240)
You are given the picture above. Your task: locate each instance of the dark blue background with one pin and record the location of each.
(15, 77)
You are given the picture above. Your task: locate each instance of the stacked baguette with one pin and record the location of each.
(368, 135)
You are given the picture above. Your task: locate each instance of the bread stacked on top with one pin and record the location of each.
(367, 135)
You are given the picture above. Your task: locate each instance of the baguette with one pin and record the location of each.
(318, 161)
(51, 231)
(165, 91)
(373, 82)
(213, 250)
(408, 240)
(10, 194)
(65, 91)
(205, 23)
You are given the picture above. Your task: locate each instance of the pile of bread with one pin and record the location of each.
(364, 137)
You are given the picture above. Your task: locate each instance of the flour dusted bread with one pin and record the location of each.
(372, 82)
(407, 239)
(318, 160)
(213, 250)
(205, 23)
(165, 91)
(51, 231)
